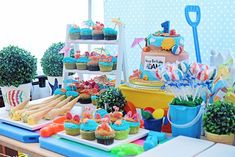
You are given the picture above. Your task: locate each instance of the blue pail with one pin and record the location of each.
(186, 121)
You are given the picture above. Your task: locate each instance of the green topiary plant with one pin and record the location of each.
(111, 97)
(51, 62)
(220, 118)
(17, 66)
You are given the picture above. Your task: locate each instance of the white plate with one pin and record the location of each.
(78, 139)
(5, 118)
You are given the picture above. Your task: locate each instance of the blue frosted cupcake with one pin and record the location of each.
(72, 125)
(106, 66)
(74, 32)
(97, 32)
(114, 60)
(72, 93)
(121, 128)
(70, 62)
(82, 63)
(110, 34)
(94, 99)
(101, 112)
(87, 129)
(86, 33)
(60, 91)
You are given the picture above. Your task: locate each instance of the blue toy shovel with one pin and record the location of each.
(194, 24)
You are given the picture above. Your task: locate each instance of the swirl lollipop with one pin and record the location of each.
(159, 72)
(202, 76)
(166, 76)
(177, 75)
(212, 73)
(183, 66)
(194, 69)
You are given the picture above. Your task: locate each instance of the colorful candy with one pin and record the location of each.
(194, 69)
(212, 73)
(183, 66)
(177, 75)
(203, 75)
(166, 76)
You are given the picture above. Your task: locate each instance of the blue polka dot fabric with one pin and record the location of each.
(143, 17)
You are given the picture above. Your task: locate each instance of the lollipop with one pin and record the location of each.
(194, 69)
(203, 66)
(203, 75)
(159, 72)
(183, 66)
(212, 73)
(166, 76)
(177, 75)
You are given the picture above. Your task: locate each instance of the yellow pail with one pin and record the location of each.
(141, 98)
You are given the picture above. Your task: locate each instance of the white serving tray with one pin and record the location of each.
(5, 119)
(78, 139)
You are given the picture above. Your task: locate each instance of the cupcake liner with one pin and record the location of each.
(86, 37)
(105, 141)
(106, 68)
(87, 135)
(85, 101)
(98, 36)
(121, 135)
(114, 66)
(93, 68)
(81, 66)
(72, 131)
(74, 36)
(134, 130)
(110, 37)
(70, 66)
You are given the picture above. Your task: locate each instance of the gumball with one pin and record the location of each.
(173, 32)
(203, 75)
(176, 50)
(212, 73)
(183, 66)
(166, 76)
(150, 109)
(177, 75)
(194, 68)
(158, 113)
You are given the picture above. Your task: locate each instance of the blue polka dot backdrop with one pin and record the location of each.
(142, 17)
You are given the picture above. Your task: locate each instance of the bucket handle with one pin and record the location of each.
(187, 125)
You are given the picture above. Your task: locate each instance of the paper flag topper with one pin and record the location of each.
(65, 50)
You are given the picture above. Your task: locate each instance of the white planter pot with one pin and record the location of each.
(51, 81)
(13, 96)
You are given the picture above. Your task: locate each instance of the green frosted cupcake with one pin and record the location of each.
(87, 129)
(122, 129)
(133, 121)
(82, 63)
(70, 62)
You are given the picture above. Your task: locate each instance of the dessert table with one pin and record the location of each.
(32, 149)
